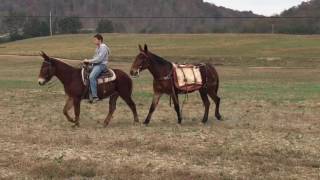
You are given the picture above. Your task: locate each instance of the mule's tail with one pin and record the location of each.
(124, 83)
(212, 70)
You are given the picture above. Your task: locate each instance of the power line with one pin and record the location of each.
(171, 17)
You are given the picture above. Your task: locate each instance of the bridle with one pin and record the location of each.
(142, 63)
(167, 77)
(50, 69)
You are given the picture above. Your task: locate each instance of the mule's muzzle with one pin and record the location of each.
(134, 72)
(41, 81)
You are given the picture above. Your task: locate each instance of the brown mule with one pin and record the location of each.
(71, 79)
(161, 71)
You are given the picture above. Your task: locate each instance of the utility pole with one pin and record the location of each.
(272, 28)
(50, 23)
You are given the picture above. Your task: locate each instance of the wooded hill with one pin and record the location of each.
(141, 8)
(303, 26)
(169, 8)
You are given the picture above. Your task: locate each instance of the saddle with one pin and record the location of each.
(187, 77)
(105, 77)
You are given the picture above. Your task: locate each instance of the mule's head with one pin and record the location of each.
(47, 69)
(141, 61)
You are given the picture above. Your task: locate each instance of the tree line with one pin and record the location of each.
(244, 22)
(20, 26)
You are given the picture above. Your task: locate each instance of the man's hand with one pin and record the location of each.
(86, 61)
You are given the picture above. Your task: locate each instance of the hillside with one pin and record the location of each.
(303, 26)
(309, 8)
(129, 8)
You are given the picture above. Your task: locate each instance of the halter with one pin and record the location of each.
(47, 62)
(167, 77)
(50, 68)
(143, 61)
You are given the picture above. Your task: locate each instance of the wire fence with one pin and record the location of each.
(174, 17)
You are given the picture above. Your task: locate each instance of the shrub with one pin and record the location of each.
(35, 28)
(69, 25)
(105, 26)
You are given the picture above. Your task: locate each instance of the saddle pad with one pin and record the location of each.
(103, 78)
(187, 75)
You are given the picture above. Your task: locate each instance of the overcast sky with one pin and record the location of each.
(262, 7)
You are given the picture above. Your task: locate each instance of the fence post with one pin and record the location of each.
(50, 23)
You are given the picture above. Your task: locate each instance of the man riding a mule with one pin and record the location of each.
(99, 63)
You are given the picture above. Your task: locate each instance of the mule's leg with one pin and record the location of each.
(216, 99)
(76, 104)
(153, 106)
(112, 108)
(175, 99)
(206, 103)
(132, 106)
(66, 109)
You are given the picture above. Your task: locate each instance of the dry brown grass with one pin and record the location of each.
(271, 130)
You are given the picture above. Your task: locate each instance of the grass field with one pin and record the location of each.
(270, 105)
(228, 49)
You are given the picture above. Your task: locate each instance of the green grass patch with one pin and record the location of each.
(18, 84)
(271, 91)
(143, 95)
(234, 49)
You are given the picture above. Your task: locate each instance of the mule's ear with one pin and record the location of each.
(145, 48)
(44, 55)
(140, 48)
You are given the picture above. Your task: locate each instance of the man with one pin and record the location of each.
(99, 61)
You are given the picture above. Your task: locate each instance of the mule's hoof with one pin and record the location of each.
(136, 123)
(146, 123)
(204, 120)
(75, 126)
(220, 118)
(71, 120)
(178, 126)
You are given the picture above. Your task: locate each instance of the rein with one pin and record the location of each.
(167, 77)
(174, 94)
(52, 84)
(50, 68)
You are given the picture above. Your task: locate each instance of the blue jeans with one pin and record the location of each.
(96, 71)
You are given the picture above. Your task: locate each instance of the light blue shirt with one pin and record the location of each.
(102, 55)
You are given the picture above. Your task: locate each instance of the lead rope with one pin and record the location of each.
(184, 102)
(205, 66)
(52, 84)
(186, 94)
(175, 95)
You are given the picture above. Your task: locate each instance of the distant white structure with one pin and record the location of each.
(3, 36)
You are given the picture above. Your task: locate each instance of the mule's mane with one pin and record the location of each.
(62, 62)
(160, 60)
